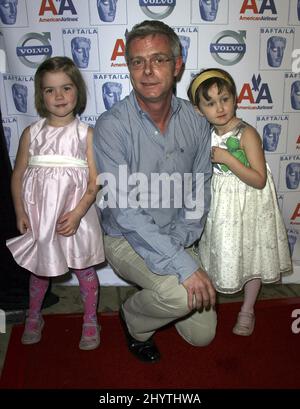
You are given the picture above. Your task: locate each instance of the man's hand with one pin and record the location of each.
(201, 293)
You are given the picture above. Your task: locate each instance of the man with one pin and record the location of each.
(208, 9)
(107, 10)
(275, 50)
(271, 134)
(8, 11)
(111, 93)
(80, 47)
(20, 93)
(150, 134)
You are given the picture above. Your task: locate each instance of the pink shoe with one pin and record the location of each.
(87, 341)
(33, 331)
(245, 324)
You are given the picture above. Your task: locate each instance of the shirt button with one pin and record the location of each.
(156, 133)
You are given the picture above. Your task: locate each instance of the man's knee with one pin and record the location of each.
(198, 332)
(205, 337)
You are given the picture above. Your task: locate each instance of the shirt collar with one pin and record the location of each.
(175, 105)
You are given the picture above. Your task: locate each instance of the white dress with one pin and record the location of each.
(244, 236)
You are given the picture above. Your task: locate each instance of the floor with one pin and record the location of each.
(112, 297)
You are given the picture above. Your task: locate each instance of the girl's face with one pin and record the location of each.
(220, 108)
(60, 96)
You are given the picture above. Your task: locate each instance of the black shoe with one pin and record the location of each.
(144, 351)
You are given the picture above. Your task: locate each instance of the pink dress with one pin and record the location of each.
(53, 184)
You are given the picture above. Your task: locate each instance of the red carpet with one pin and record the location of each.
(270, 358)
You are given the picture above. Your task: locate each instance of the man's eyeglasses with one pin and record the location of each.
(156, 61)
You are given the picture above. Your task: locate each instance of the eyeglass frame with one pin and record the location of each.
(152, 60)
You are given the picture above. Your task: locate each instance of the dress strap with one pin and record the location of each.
(57, 161)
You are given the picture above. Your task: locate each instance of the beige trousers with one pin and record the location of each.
(161, 299)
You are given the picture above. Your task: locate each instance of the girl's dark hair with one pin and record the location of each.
(203, 88)
(56, 64)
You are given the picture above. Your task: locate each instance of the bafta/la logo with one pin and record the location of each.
(296, 323)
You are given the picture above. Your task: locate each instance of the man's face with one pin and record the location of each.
(293, 175)
(153, 83)
(275, 50)
(8, 11)
(20, 92)
(271, 135)
(107, 10)
(295, 95)
(208, 9)
(111, 93)
(185, 44)
(81, 51)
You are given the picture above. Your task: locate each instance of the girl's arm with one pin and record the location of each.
(69, 222)
(17, 179)
(92, 189)
(256, 174)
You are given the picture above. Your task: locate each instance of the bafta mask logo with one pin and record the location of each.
(185, 45)
(275, 50)
(208, 9)
(292, 175)
(271, 134)
(295, 95)
(111, 93)
(107, 10)
(8, 11)
(80, 47)
(292, 239)
(7, 135)
(20, 93)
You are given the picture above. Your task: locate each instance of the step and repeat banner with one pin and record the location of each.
(257, 41)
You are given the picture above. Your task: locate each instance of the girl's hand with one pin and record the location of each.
(23, 223)
(219, 155)
(68, 223)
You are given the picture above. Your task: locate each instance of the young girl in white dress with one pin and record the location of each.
(54, 189)
(244, 241)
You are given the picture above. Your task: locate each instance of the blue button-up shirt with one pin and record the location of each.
(128, 143)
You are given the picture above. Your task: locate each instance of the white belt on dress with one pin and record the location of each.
(57, 161)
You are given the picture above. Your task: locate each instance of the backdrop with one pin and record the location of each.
(257, 41)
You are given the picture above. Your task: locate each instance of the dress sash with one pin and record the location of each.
(56, 161)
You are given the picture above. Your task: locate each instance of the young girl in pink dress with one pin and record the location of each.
(54, 189)
(244, 241)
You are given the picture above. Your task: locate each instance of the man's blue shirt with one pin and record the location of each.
(126, 144)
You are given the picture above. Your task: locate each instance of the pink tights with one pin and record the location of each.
(88, 282)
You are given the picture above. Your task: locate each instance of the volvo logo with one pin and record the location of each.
(29, 54)
(228, 52)
(165, 8)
